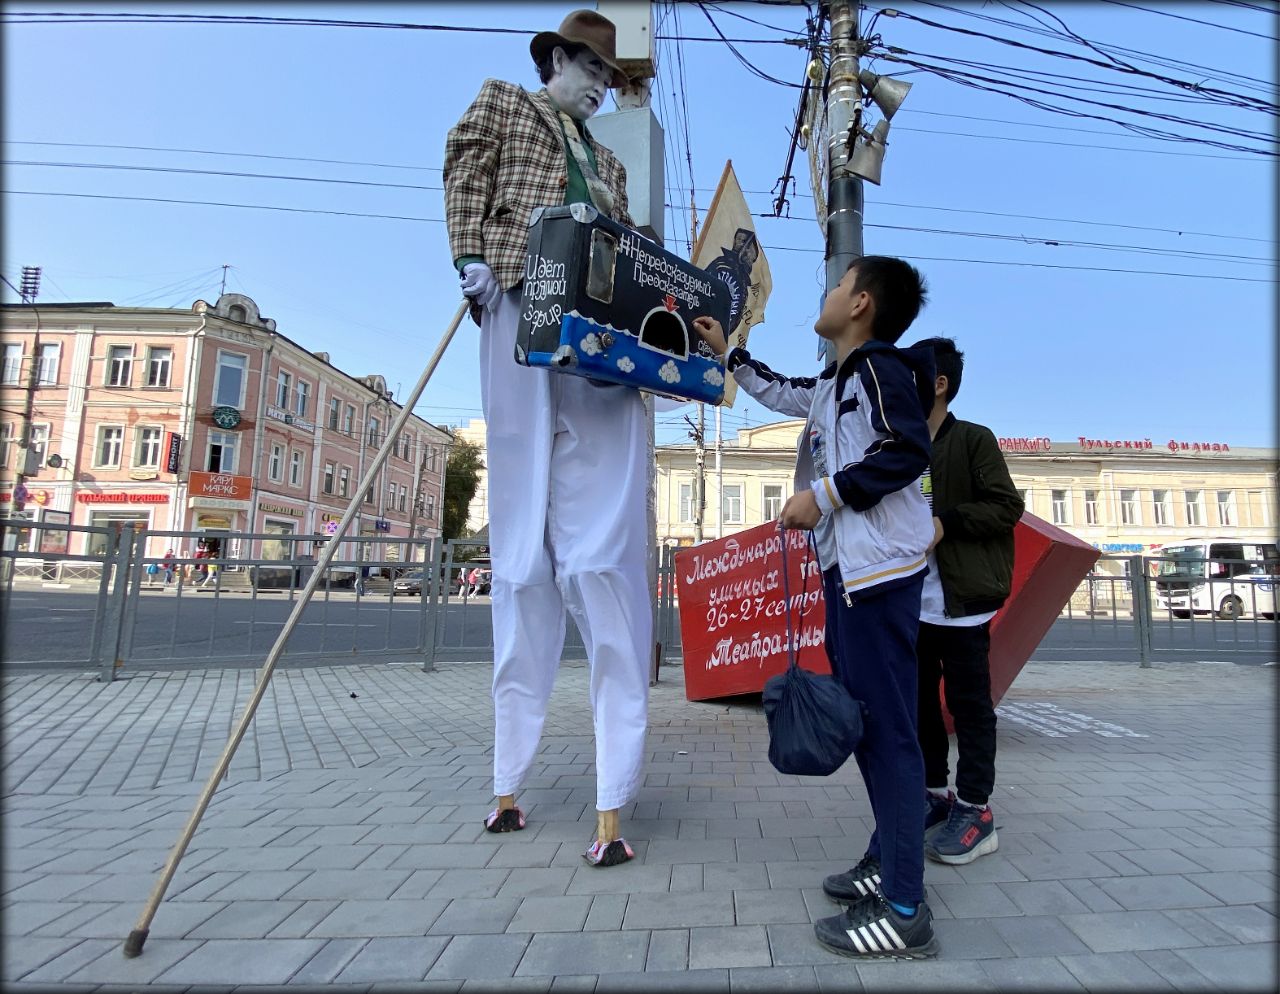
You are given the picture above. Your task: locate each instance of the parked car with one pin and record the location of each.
(410, 584)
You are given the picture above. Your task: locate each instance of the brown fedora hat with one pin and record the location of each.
(583, 27)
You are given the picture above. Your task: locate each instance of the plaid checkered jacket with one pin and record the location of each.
(505, 157)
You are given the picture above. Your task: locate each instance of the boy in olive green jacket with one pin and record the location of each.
(975, 509)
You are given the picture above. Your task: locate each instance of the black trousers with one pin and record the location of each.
(957, 656)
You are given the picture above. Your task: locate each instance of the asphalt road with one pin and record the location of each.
(57, 626)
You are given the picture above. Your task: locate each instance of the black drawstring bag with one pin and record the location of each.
(814, 723)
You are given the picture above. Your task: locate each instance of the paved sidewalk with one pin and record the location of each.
(1136, 809)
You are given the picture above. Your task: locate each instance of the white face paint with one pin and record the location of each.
(578, 85)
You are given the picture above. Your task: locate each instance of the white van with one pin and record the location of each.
(1226, 576)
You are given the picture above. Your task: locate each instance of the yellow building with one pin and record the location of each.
(1122, 496)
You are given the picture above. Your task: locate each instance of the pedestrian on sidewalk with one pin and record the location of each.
(857, 486)
(568, 457)
(975, 510)
(167, 566)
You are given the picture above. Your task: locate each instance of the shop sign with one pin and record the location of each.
(1024, 444)
(278, 509)
(382, 526)
(1119, 547)
(327, 517)
(172, 452)
(143, 474)
(289, 419)
(216, 502)
(122, 497)
(226, 417)
(212, 521)
(222, 485)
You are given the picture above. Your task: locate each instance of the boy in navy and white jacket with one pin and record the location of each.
(857, 486)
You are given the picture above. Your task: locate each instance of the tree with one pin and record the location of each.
(461, 479)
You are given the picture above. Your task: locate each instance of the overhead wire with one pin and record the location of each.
(1193, 20)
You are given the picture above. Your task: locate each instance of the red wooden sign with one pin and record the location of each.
(733, 610)
(733, 619)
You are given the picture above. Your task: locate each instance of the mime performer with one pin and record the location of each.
(567, 456)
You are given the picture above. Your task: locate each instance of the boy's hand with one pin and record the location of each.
(937, 535)
(800, 511)
(712, 333)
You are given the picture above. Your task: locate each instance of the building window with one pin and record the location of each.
(300, 396)
(772, 501)
(147, 450)
(1257, 509)
(6, 444)
(731, 504)
(1061, 507)
(404, 497)
(283, 381)
(296, 465)
(375, 426)
(686, 503)
(1227, 508)
(119, 365)
(110, 442)
(1091, 507)
(1025, 494)
(159, 364)
(48, 372)
(222, 452)
(349, 422)
(431, 458)
(368, 496)
(1195, 508)
(275, 465)
(228, 386)
(431, 506)
(12, 369)
(391, 497)
(1161, 508)
(1129, 511)
(344, 481)
(335, 413)
(328, 477)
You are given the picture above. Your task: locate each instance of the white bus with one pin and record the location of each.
(1224, 576)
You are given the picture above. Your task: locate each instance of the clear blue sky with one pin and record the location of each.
(1058, 352)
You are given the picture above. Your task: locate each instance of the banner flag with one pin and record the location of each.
(729, 249)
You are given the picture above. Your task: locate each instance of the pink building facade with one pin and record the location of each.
(206, 420)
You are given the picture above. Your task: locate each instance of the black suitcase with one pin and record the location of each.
(602, 301)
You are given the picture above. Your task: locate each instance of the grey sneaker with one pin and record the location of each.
(854, 884)
(871, 929)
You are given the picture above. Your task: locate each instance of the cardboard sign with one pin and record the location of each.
(734, 629)
(733, 610)
(602, 301)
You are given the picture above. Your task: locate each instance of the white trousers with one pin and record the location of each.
(568, 469)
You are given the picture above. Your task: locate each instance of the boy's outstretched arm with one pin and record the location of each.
(889, 463)
(778, 393)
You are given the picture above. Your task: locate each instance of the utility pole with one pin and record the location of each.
(844, 113)
(698, 433)
(225, 267)
(27, 464)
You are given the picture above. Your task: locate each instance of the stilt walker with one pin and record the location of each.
(567, 456)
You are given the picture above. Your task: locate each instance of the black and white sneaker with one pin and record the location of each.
(871, 929)
(854, 884)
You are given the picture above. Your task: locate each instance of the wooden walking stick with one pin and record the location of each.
(133, 944)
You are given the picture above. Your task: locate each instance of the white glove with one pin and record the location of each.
(479, 283)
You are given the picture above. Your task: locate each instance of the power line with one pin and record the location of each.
(216, 172)
(777, 248)
(1193, 20)
(243, 155)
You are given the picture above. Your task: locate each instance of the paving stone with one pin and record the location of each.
(598, 952)
(668, 950)
(606, 913)
(158, 955)
(633, 877)
(1042, 897)
(551, 914)
(970, 938)
(1122, 931)
(242, 961)
(924, 975)
(796, 945)
(244, 920)
(729, 947)
(1115, 972)
(379, 918)
(344, 885)
(975, 900)
(1037, 973)
(770, 907)
(71, 961)
(468, 916)
(1038, 935)
(393, 959)
(677, 981)
(1178, 972)
(1243, 967)
(1231, 887)
(687, 910)
(777, 978)
(479, 956)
